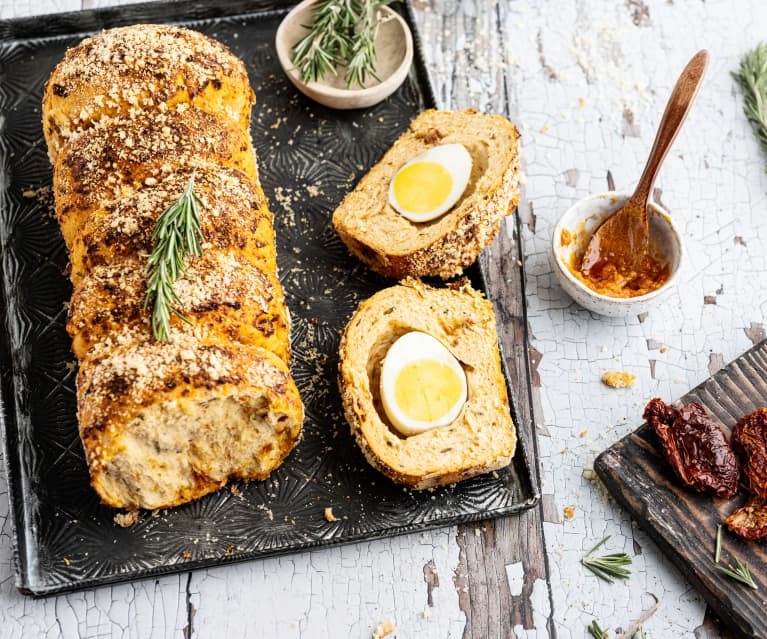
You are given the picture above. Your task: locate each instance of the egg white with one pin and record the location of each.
(411, 347)
(457, 161)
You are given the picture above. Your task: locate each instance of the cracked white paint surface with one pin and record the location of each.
(586, 86)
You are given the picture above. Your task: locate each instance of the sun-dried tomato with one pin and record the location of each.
(750, 522)
(750, 439)
(695, 446)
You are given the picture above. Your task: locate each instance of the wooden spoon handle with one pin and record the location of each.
(678, 107)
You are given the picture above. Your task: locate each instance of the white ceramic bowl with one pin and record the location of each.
(394, 54)
(581, 220)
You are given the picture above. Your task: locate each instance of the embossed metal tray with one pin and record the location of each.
(309, 158)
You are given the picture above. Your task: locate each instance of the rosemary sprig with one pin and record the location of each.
(607, 567)
(752, 76)
(342, 33)
(739, 572)
(718, 549)
(177, 235)
(595, 631)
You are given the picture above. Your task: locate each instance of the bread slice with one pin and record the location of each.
(396, 247)
(235, 215)
(482, 438)
(164, 423)
(118, 156)
(221, 294)
(145, 66)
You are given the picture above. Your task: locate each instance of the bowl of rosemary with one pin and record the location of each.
(345, 54)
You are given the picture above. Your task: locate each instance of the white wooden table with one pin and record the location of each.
(585, 81)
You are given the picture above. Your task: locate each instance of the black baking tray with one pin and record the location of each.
(309, 157)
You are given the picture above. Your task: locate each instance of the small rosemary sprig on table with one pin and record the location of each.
(596, 631)
(608, 567)
(738, 570)
(752, 76)
(342, 33)
(176, 236)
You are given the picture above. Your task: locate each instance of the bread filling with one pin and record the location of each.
(161, 457)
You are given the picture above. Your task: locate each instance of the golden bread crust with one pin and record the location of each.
(142, 67)
(120, 155)
(235, 216)
(221, 294)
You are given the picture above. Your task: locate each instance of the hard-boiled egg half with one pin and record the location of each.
(422, 385)
(429, 185)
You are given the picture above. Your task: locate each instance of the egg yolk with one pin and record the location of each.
(426, 390)
(422, 187)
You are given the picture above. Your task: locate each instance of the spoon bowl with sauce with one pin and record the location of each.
(616, 297)
(618, 254)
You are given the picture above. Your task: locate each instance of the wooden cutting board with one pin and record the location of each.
(684, 523)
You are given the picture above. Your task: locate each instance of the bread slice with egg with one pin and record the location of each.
(389, 243)
(482, 438)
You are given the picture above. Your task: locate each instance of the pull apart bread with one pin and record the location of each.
(482, 436)
(130, 115)
(395, 246)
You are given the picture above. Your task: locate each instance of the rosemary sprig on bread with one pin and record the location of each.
(342, 34)
(176, 236)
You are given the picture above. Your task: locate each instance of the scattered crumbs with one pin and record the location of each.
(544, 129)
(313, 190)
(583, 433)
(329, 514)
(569, 512)
(230, 550)
(186, 554)
(234, 490)
(380, 119)
(588, 474)
(383, 629)
(663, 349)
(619, 379)
(268, 511)
(519, 263)
(66, 561)
(426, 613)
(29, 194)
(581, 103)
(126, 520)
(495, 474)
(71, 366)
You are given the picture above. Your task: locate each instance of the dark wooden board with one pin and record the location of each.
(684, 523)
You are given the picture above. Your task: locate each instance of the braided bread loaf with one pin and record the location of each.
(130, 115)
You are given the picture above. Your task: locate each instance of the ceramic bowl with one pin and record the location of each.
(581, 220)
(394, 54)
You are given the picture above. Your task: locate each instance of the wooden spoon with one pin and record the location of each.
(623, 238)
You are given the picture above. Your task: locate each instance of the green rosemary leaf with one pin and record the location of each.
(342, 34)
(718, 550)
(608, 567)
(595, 631)
(752, 76)
(177, 235)
(739, 572)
